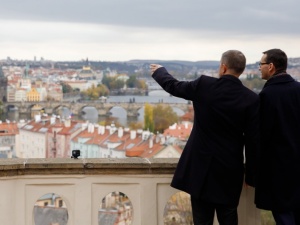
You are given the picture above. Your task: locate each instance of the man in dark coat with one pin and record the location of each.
(278, 186)
(211, 167)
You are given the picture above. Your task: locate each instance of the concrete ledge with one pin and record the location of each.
(16, 167)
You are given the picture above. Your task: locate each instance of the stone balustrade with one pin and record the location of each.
(83, 183)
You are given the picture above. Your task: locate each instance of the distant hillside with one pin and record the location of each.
(208, 64)
(292, 62)
(141, 67)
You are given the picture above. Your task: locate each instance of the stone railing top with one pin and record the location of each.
(65, 166)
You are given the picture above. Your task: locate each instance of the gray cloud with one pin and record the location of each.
(231, 16)
(147, 29)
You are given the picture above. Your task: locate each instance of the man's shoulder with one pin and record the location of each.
(204, 81)
(280, 82)
(206, 78)
(252, 95)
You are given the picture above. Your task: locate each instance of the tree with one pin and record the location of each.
(66, 88)
(148, 118)
(1, 107)
(94, 93)
(254, 82)
(107, 81)
(76, 90)
(163, 116)
(102, 90)
(132, 81)
(159, 118)
(117, 84)
(141, 84)
(110, 120)
(135, 125)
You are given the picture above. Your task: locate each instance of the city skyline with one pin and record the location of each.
(125, 30)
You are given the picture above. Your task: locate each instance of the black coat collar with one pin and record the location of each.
(279, 79)
(231, 77)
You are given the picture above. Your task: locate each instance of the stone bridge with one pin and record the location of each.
(76, 108)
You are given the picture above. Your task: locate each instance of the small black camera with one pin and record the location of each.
(75, 154)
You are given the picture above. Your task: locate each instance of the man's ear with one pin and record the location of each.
(272, 67)
(224, 68)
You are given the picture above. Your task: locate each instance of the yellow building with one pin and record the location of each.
(33, 95)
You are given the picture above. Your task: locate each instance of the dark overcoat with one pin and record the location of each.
(211, 166)
(278, 186)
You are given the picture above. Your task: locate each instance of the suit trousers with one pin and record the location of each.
(203, 213)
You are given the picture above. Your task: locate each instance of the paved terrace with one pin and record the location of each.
(82, 183)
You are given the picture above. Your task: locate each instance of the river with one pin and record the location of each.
(118, 114)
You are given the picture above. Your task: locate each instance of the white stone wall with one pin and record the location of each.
(83, 193)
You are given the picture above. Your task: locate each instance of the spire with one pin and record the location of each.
(26, 71)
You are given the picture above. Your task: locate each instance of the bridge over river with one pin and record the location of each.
(76, 108)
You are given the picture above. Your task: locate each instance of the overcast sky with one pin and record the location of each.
(120, 30)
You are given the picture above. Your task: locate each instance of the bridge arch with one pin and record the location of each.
(56, 108)
(178, 111)
(158, 92)
(133, 109)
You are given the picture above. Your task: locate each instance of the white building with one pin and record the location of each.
(96, 141)
(43, 93)
(9, 134)
(20, 95)
(33, 138)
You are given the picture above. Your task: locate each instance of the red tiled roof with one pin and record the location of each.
(181, 131)
(8, 129)
(144, 150)
(63, 129)
(189, 116)
(94, 137)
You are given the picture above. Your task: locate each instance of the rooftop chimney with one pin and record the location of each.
(67, 122)
(162, 140)
(52, 120)
(120, 132)
(132, 134)
(101, 129)
(145, 135)
(186, 125)
(150, 142)
(112, 128)
(37, 118)
(91, 128)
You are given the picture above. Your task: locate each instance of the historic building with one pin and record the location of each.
(33, 95)
(8, 139)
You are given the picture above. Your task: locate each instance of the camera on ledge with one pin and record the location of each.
(75, 154)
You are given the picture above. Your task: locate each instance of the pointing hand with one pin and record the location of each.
(154, 67)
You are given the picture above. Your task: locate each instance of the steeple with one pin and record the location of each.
(26, 71)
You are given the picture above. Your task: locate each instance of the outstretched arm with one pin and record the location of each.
(181, 89)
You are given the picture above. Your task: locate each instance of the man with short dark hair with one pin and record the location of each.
(278, 186)
(211, 167)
